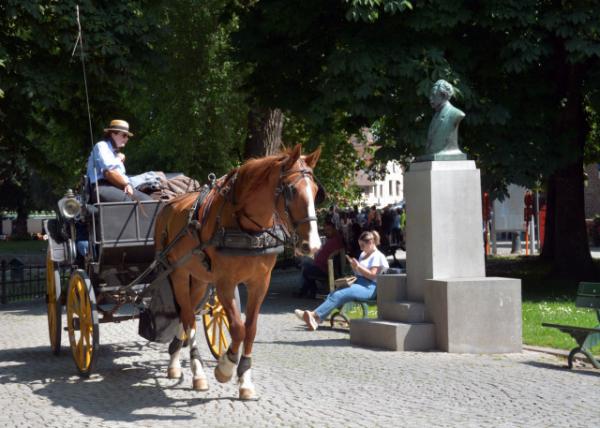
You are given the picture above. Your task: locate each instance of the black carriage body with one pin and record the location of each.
(119, 279)
(122, 233)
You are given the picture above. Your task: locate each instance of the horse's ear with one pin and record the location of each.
(293, 156)
(312, 158)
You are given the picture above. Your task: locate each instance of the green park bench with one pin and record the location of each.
(336, 268)
(588, 296)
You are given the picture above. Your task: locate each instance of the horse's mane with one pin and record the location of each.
(255, 171)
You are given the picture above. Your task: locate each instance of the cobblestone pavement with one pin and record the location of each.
(303, 378)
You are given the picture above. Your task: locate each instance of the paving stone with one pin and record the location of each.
(304, 379)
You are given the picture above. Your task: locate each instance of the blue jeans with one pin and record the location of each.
(362, 290)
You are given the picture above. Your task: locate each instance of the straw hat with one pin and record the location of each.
(118, 125)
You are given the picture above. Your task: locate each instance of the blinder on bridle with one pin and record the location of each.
(289, 192)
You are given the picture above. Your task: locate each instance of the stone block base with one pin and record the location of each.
(391, 335)
(401, 311)
(391, 288)
(475, 315)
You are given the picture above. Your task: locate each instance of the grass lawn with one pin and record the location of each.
(545, 299)
(556, 312)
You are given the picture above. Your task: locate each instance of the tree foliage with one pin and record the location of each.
(191, 110)
(165, 68)
(526, 74)
(43, 111)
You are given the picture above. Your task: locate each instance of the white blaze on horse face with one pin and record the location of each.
(314, 241)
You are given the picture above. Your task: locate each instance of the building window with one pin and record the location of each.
(397, 188)
(390, 189)
(375, 190)
(381, 190)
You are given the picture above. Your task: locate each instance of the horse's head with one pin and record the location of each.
(300, 190)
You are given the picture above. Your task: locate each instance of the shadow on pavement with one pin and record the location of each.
(31, 307)
(324, 343)
(577, 370)
(115, 391)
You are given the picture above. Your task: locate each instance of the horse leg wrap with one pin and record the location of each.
(195, 354)
(225, 366)
(175, 346)
(199, 380)
(174, 370)
(244, 365)
(244, 372)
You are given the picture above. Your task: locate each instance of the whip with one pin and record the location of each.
(79, 41)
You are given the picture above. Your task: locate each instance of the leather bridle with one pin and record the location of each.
(289, 193)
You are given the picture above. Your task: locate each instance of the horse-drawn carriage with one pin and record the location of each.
(107, 250)
(201, 244)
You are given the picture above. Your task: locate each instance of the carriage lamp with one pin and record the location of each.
(69, 206)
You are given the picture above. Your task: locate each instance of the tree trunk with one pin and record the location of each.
(566, 242)
(265, 127)
(20, 226)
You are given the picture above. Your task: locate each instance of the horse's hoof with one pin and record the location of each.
(248, 394)
(222, 378)
(174, 373)
(200, 384)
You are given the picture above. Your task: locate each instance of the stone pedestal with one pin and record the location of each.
(401, 324)
(444, 231)
(475, 315)
(444, 301)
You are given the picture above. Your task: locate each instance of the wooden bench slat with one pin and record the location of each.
(564, 327)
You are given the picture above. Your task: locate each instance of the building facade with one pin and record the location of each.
(389, 191)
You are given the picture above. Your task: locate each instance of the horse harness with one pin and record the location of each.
(237, 241)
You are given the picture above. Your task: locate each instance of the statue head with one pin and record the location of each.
(441, 92)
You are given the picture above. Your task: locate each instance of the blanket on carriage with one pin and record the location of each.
(164, 187)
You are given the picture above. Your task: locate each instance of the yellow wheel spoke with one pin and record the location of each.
(226, 321)
(213, 339)
(210, 321)
(223, 346)
(223, 338)
(79, 312)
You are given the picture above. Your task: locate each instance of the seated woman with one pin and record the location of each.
(106, 170)
(370, 263)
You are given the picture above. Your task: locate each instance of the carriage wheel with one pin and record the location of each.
(216, 325)
(53, 302)
(82, 322)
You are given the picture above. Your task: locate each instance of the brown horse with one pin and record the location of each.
(262, 197)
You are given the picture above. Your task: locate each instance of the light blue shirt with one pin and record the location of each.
(103, 158)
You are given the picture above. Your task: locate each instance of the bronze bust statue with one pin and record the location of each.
(442, 137)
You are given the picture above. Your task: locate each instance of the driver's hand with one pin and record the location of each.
(128, 189)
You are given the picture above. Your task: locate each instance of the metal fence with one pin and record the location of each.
(20, 282)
